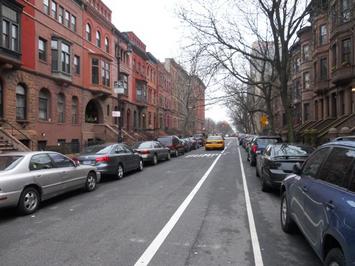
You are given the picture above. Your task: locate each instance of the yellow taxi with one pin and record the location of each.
(214, 142)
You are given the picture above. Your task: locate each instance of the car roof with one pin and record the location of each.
(24, 153)
(347, 143)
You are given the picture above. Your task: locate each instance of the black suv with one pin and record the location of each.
(258, 144)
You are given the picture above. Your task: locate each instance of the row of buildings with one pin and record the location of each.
(59, 63)
(322, 75)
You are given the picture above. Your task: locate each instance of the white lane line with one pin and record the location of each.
(163, 234)
(258, 259)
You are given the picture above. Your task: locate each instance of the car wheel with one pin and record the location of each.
(120, 172)
(140, 167)
(335, 257)
(155, 159)
(29, 201)
(287, 224)
(91, 181)
(169, 156)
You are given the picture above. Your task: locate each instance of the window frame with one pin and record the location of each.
(98, 39)
(23, 97)
(74, 114)
(62, 66)
(54, 9)
(47, 107)
(348, 53)
(44, 51)
(88, 32)
(13, 44)
(76, 64)
(61, 108)
(323, 35)
(95, 79)
(323, 68)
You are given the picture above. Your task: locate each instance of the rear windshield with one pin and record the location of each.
(198, 136)
(142, 145)
(165, 141)
(98, 149)
(265, 142)
(214, 138)
(291, 150)
(9, 162)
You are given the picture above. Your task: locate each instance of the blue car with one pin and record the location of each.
(320, 199)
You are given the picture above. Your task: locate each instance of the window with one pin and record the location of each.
(66, 18)
(40, 162)
(323, 68)
(105, 73)
(345, 10)
(346, 51)
(95, 71)
(124, 80)
(46, 6)
(20, 102)
(61, 108)
(306, 54)
(60, 14)
(336, 168)
(43, 105)
(306, 111)
(334, 55)
(76, 64)
(73, 23)
(98, 39)
(54, 9)
(42, 49)
(61, 161)
(323, 34)
(107, 45)
(10, 29)
(306, 80)
(312, 164)
(60, 56)
(88, 32)
(74, 110)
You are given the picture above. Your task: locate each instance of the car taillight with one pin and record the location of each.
(102, 159)
(254, 148)
(143, 152)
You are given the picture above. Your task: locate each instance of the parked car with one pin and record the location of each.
(200, 138)
(152, 151)
(258, 144)
(320, 199)
(351, 138)
(112, 159)
(214, 142)
(194, 144)
(277, 161)
(187, 144)
(175, 144)
(27, 178)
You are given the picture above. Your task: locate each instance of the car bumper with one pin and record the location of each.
(104, 169)
(147, 157)
(9, 199)
(214, 146)
(276, 177)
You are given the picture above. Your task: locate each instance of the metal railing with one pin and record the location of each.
(12, 127)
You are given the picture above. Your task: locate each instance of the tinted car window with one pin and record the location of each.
(337, 166)
(98, 149)
(312, 165)
(265, 142)
(127, 149)
(40, 161)
(352, 181)
(143, 145)
(60, 160)
(291, 150)
(9, 162)
(119, 149)
(165, 141)
(214, 138)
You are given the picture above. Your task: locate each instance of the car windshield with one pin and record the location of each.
(291, 150)
(214, 138)
(265, 142)
(165, 141)
(9, 162)
(142, 145)
(98, 149)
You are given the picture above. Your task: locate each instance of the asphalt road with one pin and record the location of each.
(117, 223)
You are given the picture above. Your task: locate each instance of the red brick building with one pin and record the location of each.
(58, 64)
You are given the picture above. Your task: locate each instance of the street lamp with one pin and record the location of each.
(119, 89)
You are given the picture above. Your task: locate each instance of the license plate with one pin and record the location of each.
(86, 162)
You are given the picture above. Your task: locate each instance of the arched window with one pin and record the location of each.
(88, 32)
(74, 112)
(98, 39)
(107, 45)
(43, 105)
(61, 108)
(20, 102)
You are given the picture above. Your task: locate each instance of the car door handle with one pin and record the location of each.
(330, 205)
(305, 188)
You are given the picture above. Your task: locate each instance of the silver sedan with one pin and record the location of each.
(27, 178)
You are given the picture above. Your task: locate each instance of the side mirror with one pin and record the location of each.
(297, 169)
(76, 163)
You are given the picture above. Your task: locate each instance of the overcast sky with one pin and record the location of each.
(156, 24)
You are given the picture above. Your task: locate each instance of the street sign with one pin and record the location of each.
(264, 121)
(116, 113)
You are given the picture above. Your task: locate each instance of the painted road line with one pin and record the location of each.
(163, 234)
(258, 259)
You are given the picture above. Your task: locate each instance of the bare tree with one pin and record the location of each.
(227, 29)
